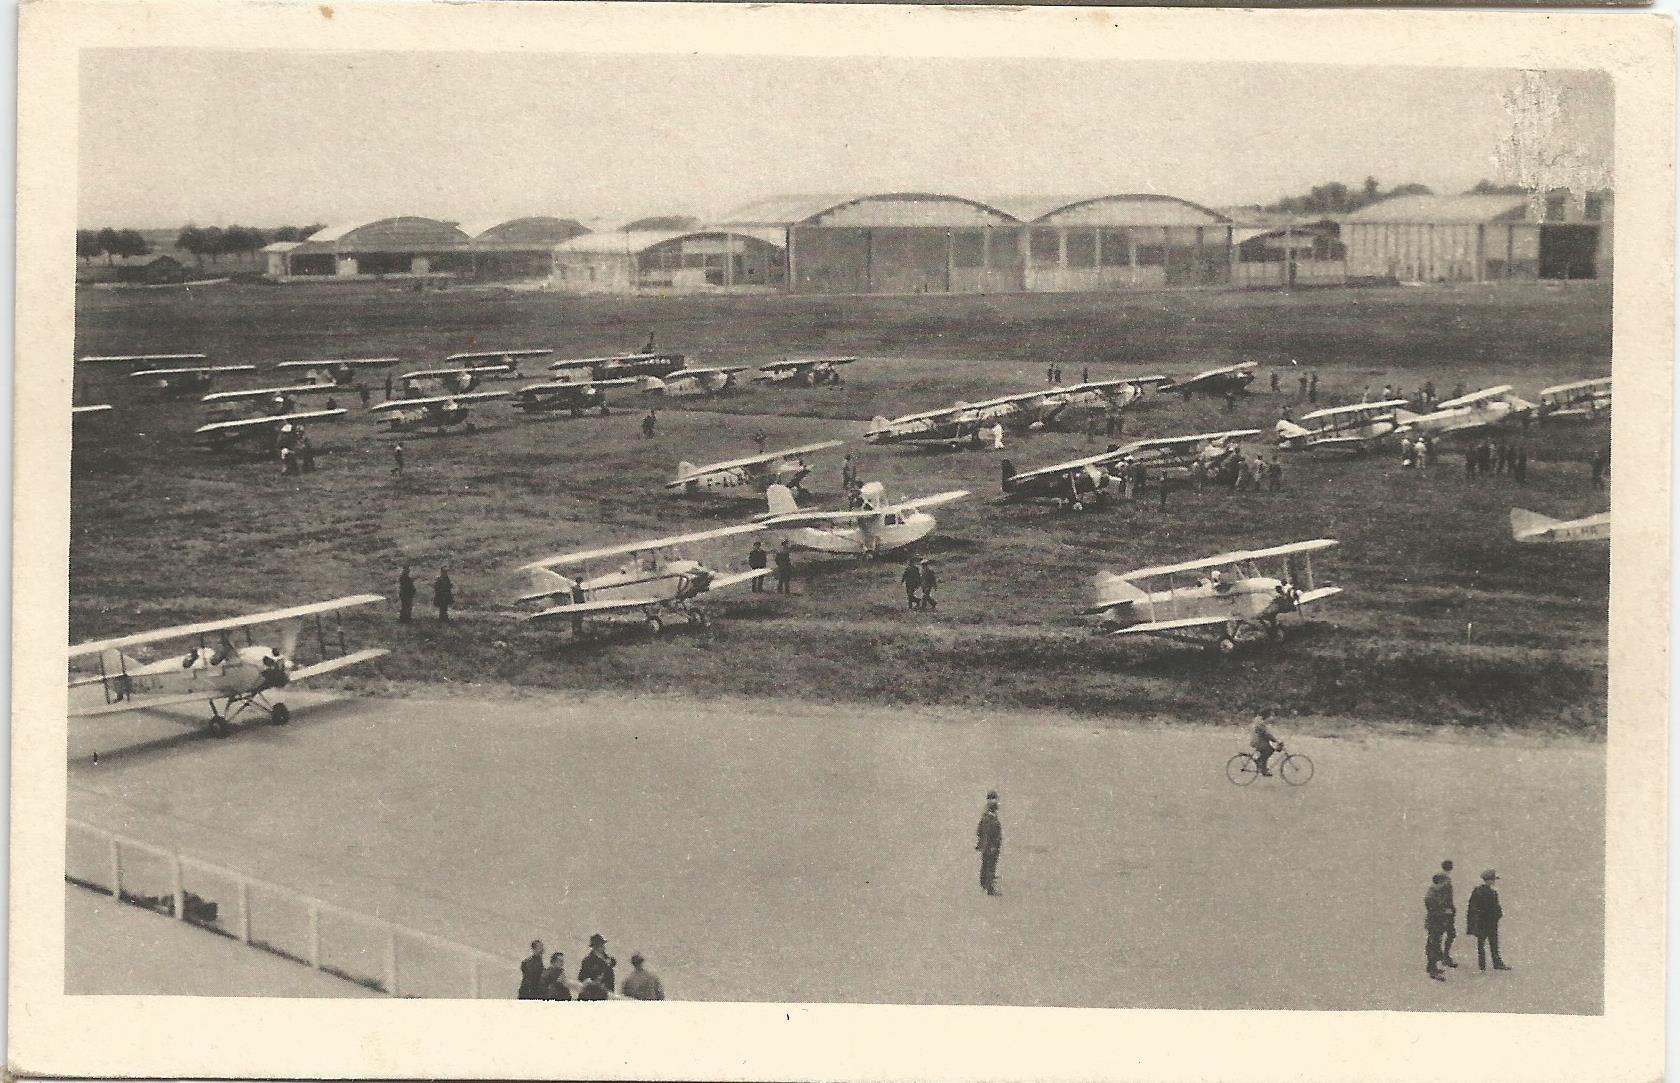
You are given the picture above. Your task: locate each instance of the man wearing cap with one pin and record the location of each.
(1482, 920)
(1435, 921)
(598, 965)
(642, 984)
(988, 839)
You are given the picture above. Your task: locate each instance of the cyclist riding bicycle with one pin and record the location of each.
(1264, 744)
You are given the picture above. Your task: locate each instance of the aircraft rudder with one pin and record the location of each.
(779, 499)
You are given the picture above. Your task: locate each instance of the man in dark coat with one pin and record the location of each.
(443, 594)
(1482, 920)
(406, 591)
(554, 979)
(597, 967)
(784, 569)
(1452, 918)
(1435, 921)
(757, 559)
(531, 973)
(988, 839)
(930, 581)
(912, 582)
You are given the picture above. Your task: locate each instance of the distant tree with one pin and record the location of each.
(191, 239)
(87, 244)
(130, 242)
(1372, 189)
(211, 238)
(108, 244)
(286, 233)
(1488, 188)
(1334, 197)
(1413, 190)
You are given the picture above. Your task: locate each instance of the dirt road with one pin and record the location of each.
(770, 850)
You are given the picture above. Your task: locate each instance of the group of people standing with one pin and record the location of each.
(1481, 920)
(920, 581)
(1486, 457)
(443, 595)
(545, 979)
(1417, 453)
(760, 557)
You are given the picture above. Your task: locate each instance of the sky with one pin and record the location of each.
(168, 136)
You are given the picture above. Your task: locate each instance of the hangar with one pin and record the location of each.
(734, 259)
(1481, 238)
(1121, 242)
(518, 247)
(384, 246)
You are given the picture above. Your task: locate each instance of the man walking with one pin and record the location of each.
(531, 973)
(784, 568)
(642, 984)
(848, 474)
(1312, 389)
(405, 596)
(929, 581)
(443, 594)
(1482, 920)
(912, 582)
(1301, 392)
(397, 457)
(1435, 922)
(1452, 917)
(756, 560)
(988, 839)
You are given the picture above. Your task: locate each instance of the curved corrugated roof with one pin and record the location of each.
(1467, 209)
(797, 209)
(1141, 204)
(415, 226)
(638, 241)
(532, 227)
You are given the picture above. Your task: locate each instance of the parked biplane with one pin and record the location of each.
(574, 398)
(185, 379)
(1357, 428)
(144, 360)
(339, 372)
(652, 579)
(262, 434)
(786, 467)
(803, 371)
(1084, 480)
(693, 383)
(877, 527)
(964, 423)
(616, 365)
(1220, 381)
(1582, 400)
(1532, 528)
(435, 412)
(447, 380)
(265, 401)
(1492, 407)
(1227, 594)
(216, 671)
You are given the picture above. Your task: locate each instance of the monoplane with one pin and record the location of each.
(1081, 481)
(229, 677)
(1220, 381)
(1532, 528)
(1357, 428)
(786, 467)
(1493, 407)
(803, 371)
(877, 526)
(435, 412)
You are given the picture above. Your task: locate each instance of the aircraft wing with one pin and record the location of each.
(582, 362)
(605, 605)
(264, 422)
(1333, 442)
(473, 370)
(1181, 441)
(1158, 626)
(435, 400)
(933, 501)
(142, 703)
(1354, 408)
(794, 363)
(1314, 546)
(352, 362)
(145, 374)
(752, 460)
(585, 555)
(725, 370)
(736, 578)
(1485, 395)
(928, 415)
(90, 409)
(150, 358)
(344, 661)
(1221, 560)
(1317, 594)
(271, 392)
(772, 521)
(491, 355)
(186, 631)
(1068, 467)
(1578, 385)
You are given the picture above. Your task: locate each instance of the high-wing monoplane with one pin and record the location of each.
(1227, 594)
(185, 379)
(1532, 528)
(261, 434)
(340, 371)
(1219, 381)
(1582, 400)
(1357, 428)
(964, 423)
(1081, 481)
(878, 526)
(693, 383)
(803, 371)
(574, 398)
(434, 412)
(786, 467)
(229, 677)
(1489, 408)
(652, 579)
(622, 364)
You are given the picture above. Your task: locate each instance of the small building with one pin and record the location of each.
(1481, 238)
(505, 248)
(717, 259)
(157, 271)
(1272, 255)
(407, 246)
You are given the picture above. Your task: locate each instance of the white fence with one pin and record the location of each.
(378, 954)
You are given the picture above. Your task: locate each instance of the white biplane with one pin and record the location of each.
(432, 412)
(185, 379)
(1226, 380)
(1532, 528)
(216, 671)
(1489, 408)
(1357, 428)
(573, 397)
(265, 400)
(877, 527)
(446, 380)
(1227, 592)
(262, 434)
(652, 579)
(622, 364)
(693, 383)
(340, 372)
(804, 371)
(786, 467)
(1583, 400)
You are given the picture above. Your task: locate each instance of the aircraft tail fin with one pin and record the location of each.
(780, 499)
(1528, 522)
(1290, 430)
(684, 469)
(652, 385)
(1405, 417)
(1008, 472)
(544, 582)
(877, 423)
(1111, 591)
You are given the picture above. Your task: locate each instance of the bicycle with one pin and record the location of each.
(1294, 768)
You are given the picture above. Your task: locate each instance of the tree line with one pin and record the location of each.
(1338, 198)
(202, 241)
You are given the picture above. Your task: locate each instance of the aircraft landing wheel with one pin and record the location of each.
(655, 625)
(280, 714)
(1226, 645)
(219, 727)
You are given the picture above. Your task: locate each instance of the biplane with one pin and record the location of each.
(263, 401)
(1227, 594)
(877, 527)
(1532, 528)
(1227, 380)
(262, 434)
(185, 379)
(693, 383)
(651, 579)
(432, 412)
(340, 372)
(1081, 481)
(228, 676)
(786, 467)
(144, 360)
(1582, 400)
(446, 380)
(803, 371)
(1357, 428)
(622, 364)
(963, 424)
(1489, 408)
(574, 398)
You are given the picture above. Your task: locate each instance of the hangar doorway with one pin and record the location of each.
(1568, 251)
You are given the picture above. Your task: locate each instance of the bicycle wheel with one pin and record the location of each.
(1242, 769)
(1296, 769)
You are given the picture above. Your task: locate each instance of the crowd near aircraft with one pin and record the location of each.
(693, 383)
(336, 372)
(654, 580)
(1583, 400)
(574, 398)
(436, 412)
(786, 467)
(185, 379)
(215, 670)
(1083, 480)
(877, 527)
(1533, 528)
(1486, 409)
(1357, 428)
(1220, 381)
(803, 371)
(1227, 592)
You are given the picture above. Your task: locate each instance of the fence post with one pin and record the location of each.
(116, 868)
(176, 882)
(391, 960)
(244, 910)
(315, 934)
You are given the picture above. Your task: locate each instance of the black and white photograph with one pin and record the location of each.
(607, 521)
